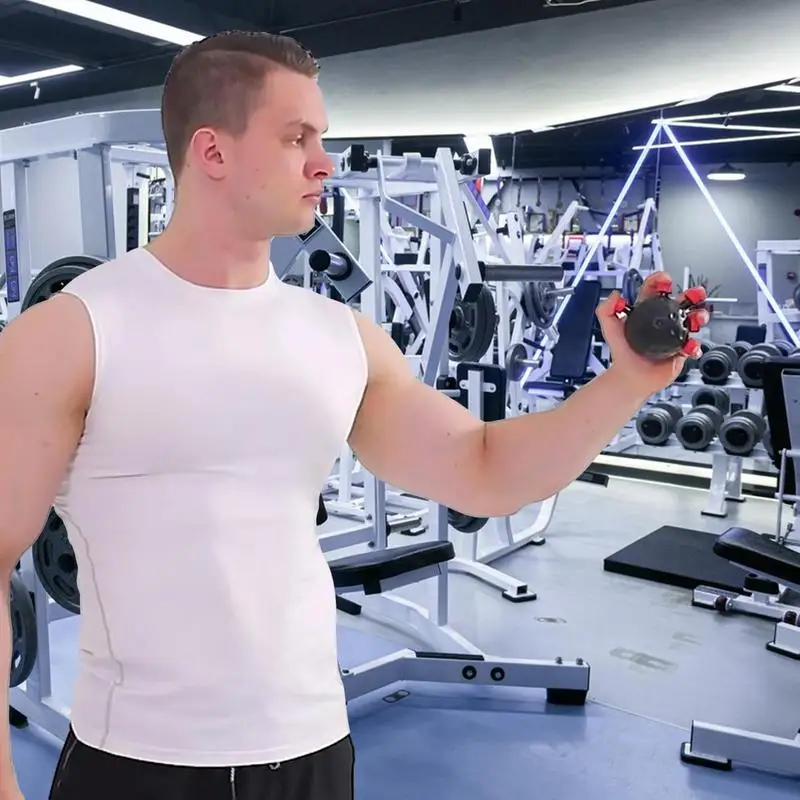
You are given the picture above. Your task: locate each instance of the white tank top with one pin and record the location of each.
(208, 616)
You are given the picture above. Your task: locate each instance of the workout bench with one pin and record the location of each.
(770, 588)
(453, 659)
(720, 747)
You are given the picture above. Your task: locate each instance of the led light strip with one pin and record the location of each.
(13, 80)
(121, 20)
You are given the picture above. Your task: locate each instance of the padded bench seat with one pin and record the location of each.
(368, 570)
(755, 552)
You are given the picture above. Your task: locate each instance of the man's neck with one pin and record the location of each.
(207, 258)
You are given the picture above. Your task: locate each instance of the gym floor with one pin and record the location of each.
(657, 663)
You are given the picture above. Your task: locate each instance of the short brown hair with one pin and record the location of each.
(219, 80)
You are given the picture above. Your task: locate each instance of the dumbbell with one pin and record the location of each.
(697, 429)
(741, 348)
(712, 396)
(517, 362)
(656, 423)
(785, 347)
(741, 432)
(717, 364)
(749, 366)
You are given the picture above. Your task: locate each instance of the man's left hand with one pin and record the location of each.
(649, 376)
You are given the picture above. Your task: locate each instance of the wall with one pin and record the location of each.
(760, 207)
(55, 216)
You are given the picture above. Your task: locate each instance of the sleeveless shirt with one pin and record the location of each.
(208, 616)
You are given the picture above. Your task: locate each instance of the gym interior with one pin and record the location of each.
(637, 635)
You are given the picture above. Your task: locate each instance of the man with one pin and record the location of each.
(183, 407)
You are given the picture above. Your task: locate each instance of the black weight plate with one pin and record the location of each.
(538, 304)
(632, 283)
(55, 565)
(54, 277)
(472, 327)
(464, 523)
(24, 644)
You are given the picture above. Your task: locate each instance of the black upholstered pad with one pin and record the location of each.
(367, 570)
(759, 554)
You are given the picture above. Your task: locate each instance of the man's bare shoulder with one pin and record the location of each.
(49, 348)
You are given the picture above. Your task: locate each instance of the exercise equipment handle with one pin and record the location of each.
(525, 272)
(336, 265)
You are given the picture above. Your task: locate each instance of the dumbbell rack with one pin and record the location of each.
(725, 485)
(34, 698)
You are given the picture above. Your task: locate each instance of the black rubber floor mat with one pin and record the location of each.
(677, 557)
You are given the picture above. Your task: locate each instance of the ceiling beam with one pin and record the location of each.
(53, 55)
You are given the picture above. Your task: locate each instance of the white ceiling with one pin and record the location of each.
(563, 70)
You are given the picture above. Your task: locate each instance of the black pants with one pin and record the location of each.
(83, 772)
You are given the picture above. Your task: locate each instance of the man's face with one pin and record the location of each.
(272, 175)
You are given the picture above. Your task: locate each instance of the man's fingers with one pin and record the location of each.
(691, 349)
(656, 283)
(608, 308)
(694, 296)
(697, 319)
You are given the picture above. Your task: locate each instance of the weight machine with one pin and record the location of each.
(484, 546)
(378, 181)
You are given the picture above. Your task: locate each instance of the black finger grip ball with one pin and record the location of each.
(655, 329)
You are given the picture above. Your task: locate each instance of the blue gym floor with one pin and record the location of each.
(657, 663)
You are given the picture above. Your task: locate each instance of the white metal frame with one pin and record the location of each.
(765, 250)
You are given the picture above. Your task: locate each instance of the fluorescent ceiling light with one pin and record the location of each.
(39, 75)
(122, 20)
(726, 173)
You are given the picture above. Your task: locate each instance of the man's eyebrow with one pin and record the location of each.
(301, 123)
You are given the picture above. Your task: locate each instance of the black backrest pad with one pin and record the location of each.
(571, 353)
(775, 408)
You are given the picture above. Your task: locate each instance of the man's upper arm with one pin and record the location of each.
(47, 369)
(412, 436)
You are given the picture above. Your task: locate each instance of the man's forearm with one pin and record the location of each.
(531, 457)
(8, 780)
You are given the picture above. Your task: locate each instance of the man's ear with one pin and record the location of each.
(207, 153)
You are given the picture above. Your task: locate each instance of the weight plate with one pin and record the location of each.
(632, 283)
(515, 366)
(24, 644)
(464, 523)
(55, 564)
(54, 277)
(540, 303)
(472, 327)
